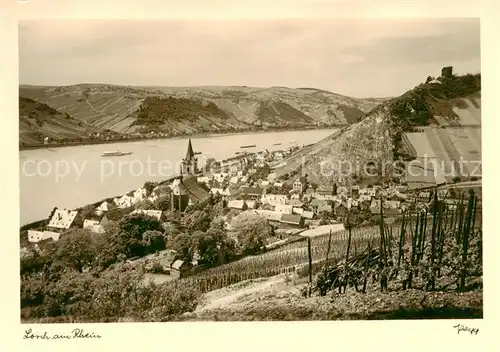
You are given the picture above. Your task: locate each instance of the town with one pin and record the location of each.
(244, 184)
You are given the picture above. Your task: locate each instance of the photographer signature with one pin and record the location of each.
(460, 327)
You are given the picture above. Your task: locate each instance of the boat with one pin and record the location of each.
(277, 144)
(248, 146)
(116, 153)
(197, 153)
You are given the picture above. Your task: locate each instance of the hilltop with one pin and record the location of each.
(446, 101)
(187, 110)
(37, 121)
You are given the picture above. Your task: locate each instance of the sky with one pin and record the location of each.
(358, 58)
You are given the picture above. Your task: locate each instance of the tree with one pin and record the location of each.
(145, 204)
(131, 230)
(149, 187)
(199, 220)
(163, 203)
(153, 241)
(87, 211)
(76, 249)
(215, 246)
(210, 163)
(251, 230)
(183, 244)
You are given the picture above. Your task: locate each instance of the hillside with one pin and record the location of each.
(37, 121)
(444, 102)
(127, 109)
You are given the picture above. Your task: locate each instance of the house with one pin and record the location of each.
(390, 207)
(203, 179)
(278, 184)
(324, 190)
(364, 202)
(152, 213)
(295, 196)
(274, 199)
(294, 220)
(251, 204)
(233, 169)
(94, 226)
(271, 177)
(237, 204)
(63, 219)
(307, 215)
(139, 195)
(182, 267)
(316, 204)
(102, 208)
(264, 183)
(309, 190)
(221, 176)
(244, 179)
(355, 192)
(341, 209)
(234, 180)
(283, 208)
(269, 215)
(299, 185)
(124, 201)
(37, 236)
(295, 203)
(342, 191)
(253, 192)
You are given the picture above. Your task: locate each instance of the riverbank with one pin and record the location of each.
(183, 136)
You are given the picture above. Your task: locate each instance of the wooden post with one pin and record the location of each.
(347, 259)
(328, 250)
(310, 263)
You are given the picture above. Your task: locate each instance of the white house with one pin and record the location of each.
(104, 207)
(93, 226)
(298, 186)
(62, 219)
(124, 201)
(37, 236)
(283, 208)
(153, 213)
(274, 199)
(139, 195)
(234, 180)
(203, 179)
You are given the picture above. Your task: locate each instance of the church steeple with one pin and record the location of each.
(189, 152)
(189, 165)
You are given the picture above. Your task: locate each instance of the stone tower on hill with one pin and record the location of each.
(189, 165)
(447, 71)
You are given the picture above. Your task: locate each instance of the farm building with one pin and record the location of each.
(182, 267)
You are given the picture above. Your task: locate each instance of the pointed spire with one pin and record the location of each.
(189, 153)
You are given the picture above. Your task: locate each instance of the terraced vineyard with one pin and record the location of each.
(287, 259)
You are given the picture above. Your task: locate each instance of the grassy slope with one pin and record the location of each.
(378, 135)
(117, 107)
(278, 298)
(37, 121)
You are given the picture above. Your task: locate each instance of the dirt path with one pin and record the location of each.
(236, 294)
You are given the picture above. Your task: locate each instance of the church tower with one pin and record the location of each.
(189, 165)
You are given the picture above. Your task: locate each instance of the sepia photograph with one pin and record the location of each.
(205, 170)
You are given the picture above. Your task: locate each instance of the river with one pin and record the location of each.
(71, 177)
